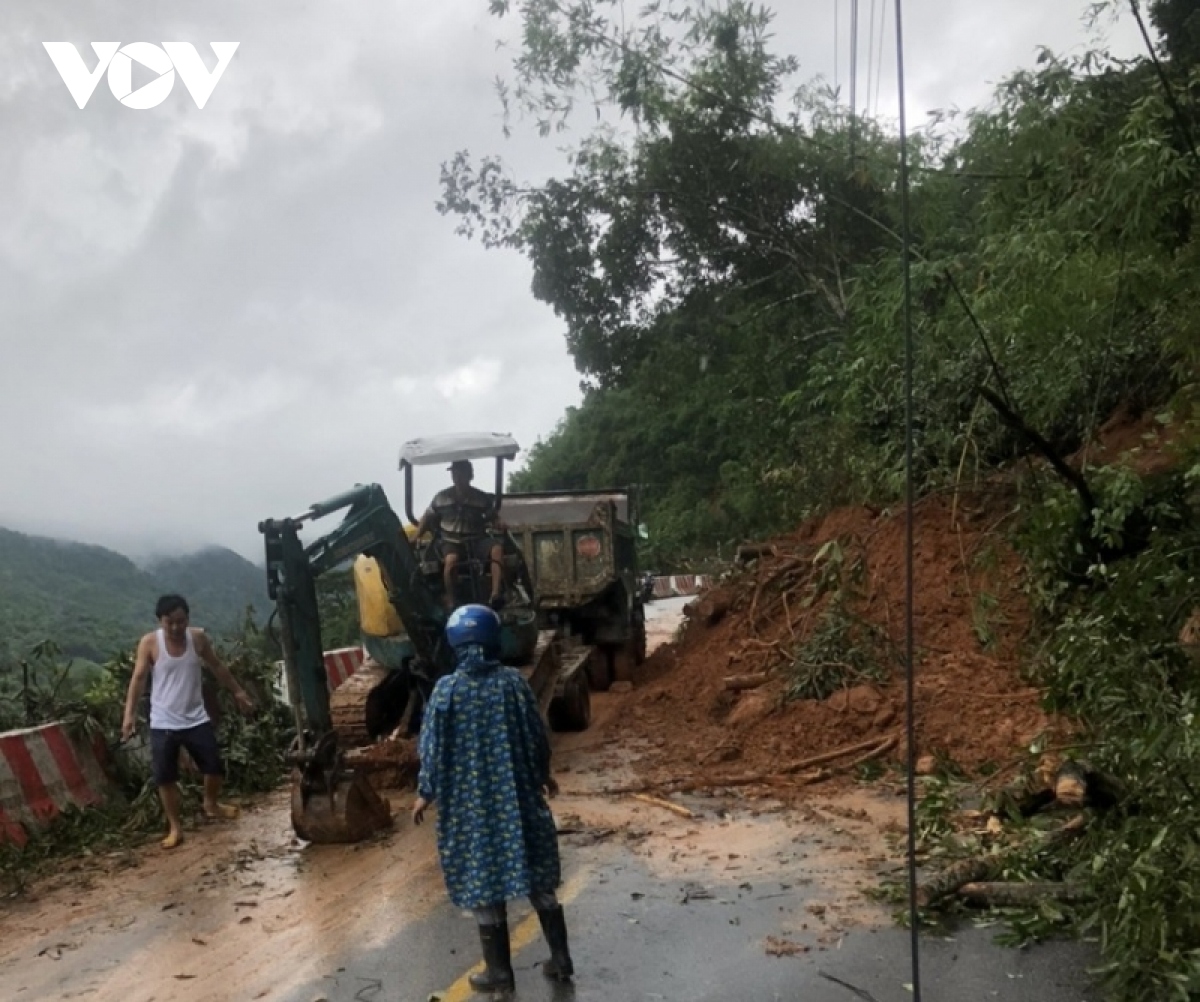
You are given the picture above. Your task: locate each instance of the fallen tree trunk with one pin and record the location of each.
(980, 868)
(949, 880)
(737, 683)
(1002, 894)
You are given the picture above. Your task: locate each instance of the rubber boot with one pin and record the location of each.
(497, 955)
(554, 928)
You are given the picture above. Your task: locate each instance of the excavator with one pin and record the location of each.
(400, 588)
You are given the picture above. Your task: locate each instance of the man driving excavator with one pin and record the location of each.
(463, 516)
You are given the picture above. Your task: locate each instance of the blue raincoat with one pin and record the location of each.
(485, 757)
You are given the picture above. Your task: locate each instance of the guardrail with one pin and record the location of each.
(44, 771)
(672, 585)
(340, 664)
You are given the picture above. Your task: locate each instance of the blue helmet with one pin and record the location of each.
(474, 624)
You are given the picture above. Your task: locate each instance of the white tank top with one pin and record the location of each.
(176, 701)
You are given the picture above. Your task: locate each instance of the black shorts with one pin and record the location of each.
(200, 742)
(475, 548)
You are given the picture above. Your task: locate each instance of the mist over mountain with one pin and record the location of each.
(93, 601)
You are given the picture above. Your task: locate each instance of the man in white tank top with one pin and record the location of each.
(172, 655)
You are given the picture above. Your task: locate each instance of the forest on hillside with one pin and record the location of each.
(726, 262)
(724, 249)
(92, 602)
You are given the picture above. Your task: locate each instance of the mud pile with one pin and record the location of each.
(970, 616)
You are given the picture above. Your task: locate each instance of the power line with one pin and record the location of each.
(879, 61)
(909, 500)
(837, 4)
(853, 71)
(870, 58)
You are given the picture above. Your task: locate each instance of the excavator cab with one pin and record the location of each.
(472, 583)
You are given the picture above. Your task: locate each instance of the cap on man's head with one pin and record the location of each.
(462, 464)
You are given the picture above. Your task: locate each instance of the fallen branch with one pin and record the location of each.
(874, 746)
(666, 805)
(740, 682)
(1012, 893)
(730, 751)
(979, 869)
(887, 744)
(753, 779)
(862, 993)
(1067, 833)
(612, 791)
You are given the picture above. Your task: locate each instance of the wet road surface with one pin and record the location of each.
(741, 902)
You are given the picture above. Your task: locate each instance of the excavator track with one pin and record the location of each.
(348, 705)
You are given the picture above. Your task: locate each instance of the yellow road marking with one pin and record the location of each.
(520, 937)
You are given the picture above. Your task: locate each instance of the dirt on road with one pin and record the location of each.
(242, 910)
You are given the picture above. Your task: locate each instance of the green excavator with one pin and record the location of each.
(403, 608)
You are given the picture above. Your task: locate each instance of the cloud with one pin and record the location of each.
(475, 379)
(212, 317)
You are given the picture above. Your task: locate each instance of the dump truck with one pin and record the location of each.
(580, 548)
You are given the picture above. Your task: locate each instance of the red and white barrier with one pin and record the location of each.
(43, 771)
(671, 585)
(340, 664)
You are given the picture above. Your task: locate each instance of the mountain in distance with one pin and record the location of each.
(93, 602)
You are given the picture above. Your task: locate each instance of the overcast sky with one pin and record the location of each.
(209, 317)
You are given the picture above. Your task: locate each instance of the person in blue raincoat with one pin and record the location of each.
(485, 763)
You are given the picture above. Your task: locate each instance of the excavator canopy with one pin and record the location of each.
(458, 445)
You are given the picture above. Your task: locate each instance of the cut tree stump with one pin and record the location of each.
(1071, 785)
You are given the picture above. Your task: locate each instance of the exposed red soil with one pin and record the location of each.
(1137, 440)
(972, 706)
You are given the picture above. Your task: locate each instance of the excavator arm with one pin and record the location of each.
(369, 526)
(330, 803)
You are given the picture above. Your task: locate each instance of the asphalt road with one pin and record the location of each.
(637, 936)
(743, 901)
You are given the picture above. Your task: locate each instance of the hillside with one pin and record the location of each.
(92, 601)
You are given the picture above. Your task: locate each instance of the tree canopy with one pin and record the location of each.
(723, 251)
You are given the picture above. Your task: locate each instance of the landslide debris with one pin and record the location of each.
(801, 653)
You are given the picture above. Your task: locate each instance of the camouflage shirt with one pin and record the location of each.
(462, 516)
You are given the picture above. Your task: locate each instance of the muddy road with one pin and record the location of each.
(744, 900)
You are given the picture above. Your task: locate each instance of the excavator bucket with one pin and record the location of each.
(336, 806)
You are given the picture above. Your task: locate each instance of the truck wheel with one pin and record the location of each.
(639, 637)
(599, 669)
(572, 711)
